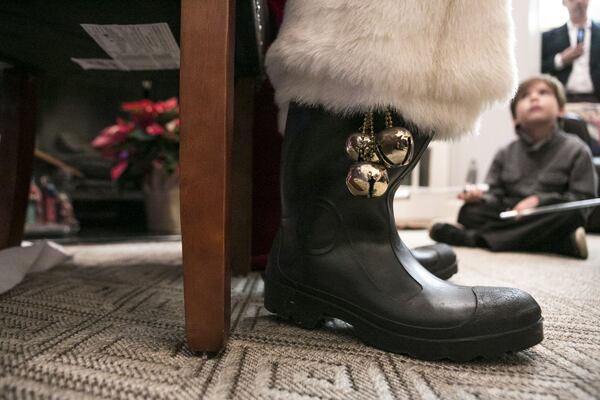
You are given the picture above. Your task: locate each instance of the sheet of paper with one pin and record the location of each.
(96, 63)
(134, 47)
(16, 262)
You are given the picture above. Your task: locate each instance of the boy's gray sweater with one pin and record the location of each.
(559, 169)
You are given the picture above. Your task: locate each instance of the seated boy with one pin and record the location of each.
(543, 166)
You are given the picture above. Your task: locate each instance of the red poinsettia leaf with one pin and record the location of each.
(117, 170)
(155, 129)
(101, 141)
(137, 107)
(114, 134)
(167, 106)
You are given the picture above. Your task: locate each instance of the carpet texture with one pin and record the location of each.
(116, 332)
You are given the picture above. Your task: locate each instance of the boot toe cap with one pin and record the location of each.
(502, 309)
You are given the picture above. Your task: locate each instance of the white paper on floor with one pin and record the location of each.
(16, 262)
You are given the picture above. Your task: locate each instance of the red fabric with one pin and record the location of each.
(266, 154)
(276, 11)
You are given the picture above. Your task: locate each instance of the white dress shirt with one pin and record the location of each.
(580, 80)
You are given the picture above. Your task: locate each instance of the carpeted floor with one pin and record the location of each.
(109, 325)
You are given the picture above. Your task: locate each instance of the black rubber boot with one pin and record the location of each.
(340, 256)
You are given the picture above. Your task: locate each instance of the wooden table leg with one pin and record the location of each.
(17, 137)
(206, 101)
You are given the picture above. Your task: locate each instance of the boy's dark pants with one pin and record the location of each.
(546, 232)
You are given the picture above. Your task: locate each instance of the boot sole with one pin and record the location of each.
(309, 311)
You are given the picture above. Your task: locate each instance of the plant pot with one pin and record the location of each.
(161, 196)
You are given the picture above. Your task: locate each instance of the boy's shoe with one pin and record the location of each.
(573, 245)
(452, 235)
(578, 244)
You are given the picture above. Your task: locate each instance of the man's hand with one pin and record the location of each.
(570, 54)
(527, 202)
(471, 194)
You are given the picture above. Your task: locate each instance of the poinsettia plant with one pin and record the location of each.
(144, 137)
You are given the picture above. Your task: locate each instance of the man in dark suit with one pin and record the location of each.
(572, 53)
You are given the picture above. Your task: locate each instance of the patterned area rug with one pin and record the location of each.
(116, 332)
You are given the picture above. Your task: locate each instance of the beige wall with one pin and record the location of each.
(451, 161)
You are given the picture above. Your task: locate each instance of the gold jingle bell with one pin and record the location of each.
(366, 179)
(359, 148)
(395, 146)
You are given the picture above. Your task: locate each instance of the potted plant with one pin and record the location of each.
(144, 145)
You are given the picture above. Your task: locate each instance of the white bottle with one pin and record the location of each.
(472, 173)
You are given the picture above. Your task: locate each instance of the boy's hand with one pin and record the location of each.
(527, 202)
(570, 54)
(471, 194)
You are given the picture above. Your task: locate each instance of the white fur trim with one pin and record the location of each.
(439, 63)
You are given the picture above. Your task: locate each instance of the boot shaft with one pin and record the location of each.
(322, 221)
(314, 169)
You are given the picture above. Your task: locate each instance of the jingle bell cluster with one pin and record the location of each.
(374, 154)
